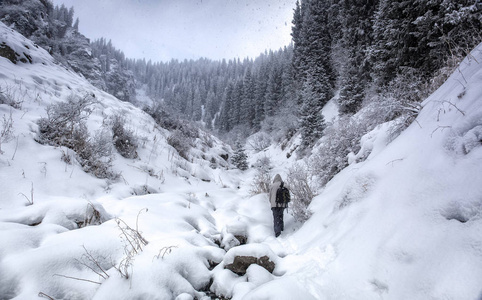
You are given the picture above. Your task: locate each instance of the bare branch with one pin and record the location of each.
(75, 278)
(41, 294)
(91, 258)
(16, 147)
(450, 103)
(439, 127)
(30, 201)
(163, 251)
(391, 162)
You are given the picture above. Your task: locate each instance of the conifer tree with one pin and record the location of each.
(299, 45)
(273, 91)
(248, 111)
(197, 105)
(356, 39)
(312, 122)
(239, 158)
(313, 66)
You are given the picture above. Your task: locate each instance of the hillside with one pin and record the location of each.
(406, 222)
(401, 222)
(65, 197)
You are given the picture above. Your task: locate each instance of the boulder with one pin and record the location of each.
(242, 239)
(241, 264)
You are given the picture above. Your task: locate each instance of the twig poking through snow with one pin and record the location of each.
(30, 201)
(75, 278)
(101, 272)
(439, 127)
(163, 252)
(134, 244)
(41, 294)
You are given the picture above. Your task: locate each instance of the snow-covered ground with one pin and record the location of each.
(404, 224)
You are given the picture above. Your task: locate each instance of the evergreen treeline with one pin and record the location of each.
(223, 95)
(361, 48)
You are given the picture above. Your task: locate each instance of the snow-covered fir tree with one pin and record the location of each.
(240, 158)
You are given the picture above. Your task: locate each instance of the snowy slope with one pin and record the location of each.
(407, 222)
(42, 244)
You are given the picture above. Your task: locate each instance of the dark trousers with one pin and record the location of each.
(278, 220)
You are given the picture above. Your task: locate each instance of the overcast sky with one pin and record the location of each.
(164, 29)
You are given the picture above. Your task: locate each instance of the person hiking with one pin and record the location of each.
(276, 207)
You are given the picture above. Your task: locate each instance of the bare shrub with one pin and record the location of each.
(96, 263)
(65, 122)
(163, 116)
(65, 125)
(11, 96)
(134, 243)
(283, 125)
(301, 187)
(338, 141)
(96, 155)
(262, 179)
(449, 66)
(124, 140)
(398, 102)
(182, 143)
(6, 130)
(259, 141)
(168, 119)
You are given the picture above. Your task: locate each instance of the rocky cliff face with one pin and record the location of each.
(39, 21)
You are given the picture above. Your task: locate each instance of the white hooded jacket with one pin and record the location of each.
(273, 189)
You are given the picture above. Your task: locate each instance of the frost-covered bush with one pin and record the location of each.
(12, 96)
(262, 179)
(124, 140)
(281, 126)
(259, 141)
(96, 156)
(301, 187)
(180, 142)
(399, 101)
(238, 132)
(6, 130)
(183, 133)
(65, 122)
(134, 244)
(65, 125)
(339, 140)
(169, 120)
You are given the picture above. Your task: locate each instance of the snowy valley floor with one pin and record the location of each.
(184, 226)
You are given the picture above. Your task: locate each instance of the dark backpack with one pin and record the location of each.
(282, 196)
